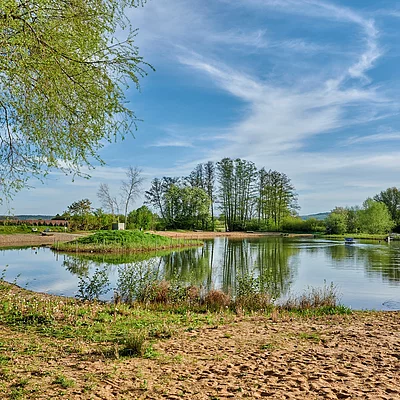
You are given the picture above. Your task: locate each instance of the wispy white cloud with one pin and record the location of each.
(375, 138)
(333, 12)
(279, 118)
(171, 143)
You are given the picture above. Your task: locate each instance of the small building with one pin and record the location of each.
(118, 226)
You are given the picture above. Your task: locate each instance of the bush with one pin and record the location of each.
(217, 300)
(327, 296)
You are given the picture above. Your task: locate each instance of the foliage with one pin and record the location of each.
(63, 74)
(277, 198)
(203, 177)
(142, 218)
(91, 288)
(181, 207)
(135, 281)
(296, 224)
(391, 198)
(247, 198)
(336, 222)
(250, 295)
(375, 217)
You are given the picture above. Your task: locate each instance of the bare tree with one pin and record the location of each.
(108, 202)
(130, 188)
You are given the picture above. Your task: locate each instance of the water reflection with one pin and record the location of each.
(215, 265)
(378, 260)
(367, 273)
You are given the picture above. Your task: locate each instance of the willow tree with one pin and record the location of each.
(63, 72)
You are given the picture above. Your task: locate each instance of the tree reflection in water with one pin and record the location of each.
(216, 265)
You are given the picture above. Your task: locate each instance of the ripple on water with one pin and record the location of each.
(392, 305)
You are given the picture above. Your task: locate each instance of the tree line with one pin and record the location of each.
(380, 215)
(245, 197)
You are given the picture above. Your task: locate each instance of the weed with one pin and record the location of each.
(314, 337)
(64, 382)
(18, 393)
(134, 345)
(4, 360)
(150, 353)
(267, 346)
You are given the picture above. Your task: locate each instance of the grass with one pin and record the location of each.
(40, 332)
(14, 229)
(124, 241)
(64, 382)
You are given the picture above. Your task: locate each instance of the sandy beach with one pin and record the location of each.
(339, 357)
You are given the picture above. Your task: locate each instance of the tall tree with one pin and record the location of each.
(155, 196)
(63, 71)
(79, 212)
(209, 186)
(237, 184)
(337, 221)
(277, 197)
(130, 188)
(226, 174)
(108, 202)
(375, 217)
(203, 176)
(391, 198)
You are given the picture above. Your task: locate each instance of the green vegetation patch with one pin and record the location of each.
(114, 241)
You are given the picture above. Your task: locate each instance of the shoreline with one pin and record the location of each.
(234, 235)
(36, 239)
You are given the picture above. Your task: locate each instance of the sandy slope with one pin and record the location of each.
(340, 357)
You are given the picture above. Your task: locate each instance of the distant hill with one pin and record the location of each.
(25, 217)
(319, 216)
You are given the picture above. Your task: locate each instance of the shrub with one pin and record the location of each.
(217, 300)
(92, 288)
(326, 296)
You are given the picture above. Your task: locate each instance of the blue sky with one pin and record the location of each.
(307, 87)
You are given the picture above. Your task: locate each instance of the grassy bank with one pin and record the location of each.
(124, 241)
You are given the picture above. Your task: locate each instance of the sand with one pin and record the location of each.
(36, 239)
(339, 357)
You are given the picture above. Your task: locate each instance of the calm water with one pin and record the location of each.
(367, 274)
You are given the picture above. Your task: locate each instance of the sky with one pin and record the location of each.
(306, 87)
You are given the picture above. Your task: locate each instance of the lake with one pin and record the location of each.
(366, 274)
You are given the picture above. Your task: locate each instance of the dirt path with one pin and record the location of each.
(36, 239)
(346, 357)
